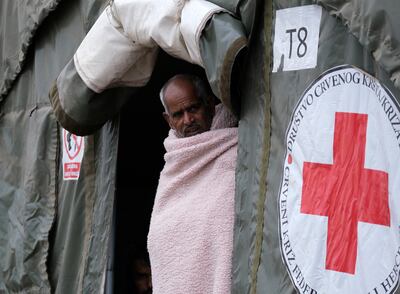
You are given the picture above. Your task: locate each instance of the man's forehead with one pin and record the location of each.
(180, 84)
(179, 90)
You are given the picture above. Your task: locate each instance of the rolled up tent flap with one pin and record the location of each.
(221, 43)
(195, 15)
(121, 48)
(107, 58)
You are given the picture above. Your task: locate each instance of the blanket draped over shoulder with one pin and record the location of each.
(191, 229)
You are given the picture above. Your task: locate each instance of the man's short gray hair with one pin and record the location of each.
(201, 89)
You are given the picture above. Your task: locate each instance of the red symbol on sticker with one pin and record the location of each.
(346, 192)
(72, 144)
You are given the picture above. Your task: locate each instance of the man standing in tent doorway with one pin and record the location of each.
(191, 229)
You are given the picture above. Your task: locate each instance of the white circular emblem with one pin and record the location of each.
(339, 199)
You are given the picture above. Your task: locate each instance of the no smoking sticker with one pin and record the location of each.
(73, 149)
(296, 38)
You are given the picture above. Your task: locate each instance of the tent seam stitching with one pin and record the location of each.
(264, 153)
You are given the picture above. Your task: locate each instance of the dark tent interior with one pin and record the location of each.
(140, 160)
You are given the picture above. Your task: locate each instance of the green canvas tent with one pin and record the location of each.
(316, 86)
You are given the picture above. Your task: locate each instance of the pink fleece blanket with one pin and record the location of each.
(191, 229)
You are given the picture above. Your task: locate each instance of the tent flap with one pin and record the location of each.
(83, 111)
(221, 42)
(54, 234)
(201, 33)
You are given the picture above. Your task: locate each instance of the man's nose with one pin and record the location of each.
(187, 118)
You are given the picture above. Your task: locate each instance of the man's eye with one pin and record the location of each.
(177, 114)
(194, 108)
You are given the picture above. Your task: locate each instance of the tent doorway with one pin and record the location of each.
(140, 160)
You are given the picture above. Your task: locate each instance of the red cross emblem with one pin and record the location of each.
(345, 192)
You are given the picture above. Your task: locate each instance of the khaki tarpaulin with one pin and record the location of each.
(271, 256)
(28, 153)
(55, 233)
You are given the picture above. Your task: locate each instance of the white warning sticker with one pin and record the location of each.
(73, 149)
(296, 38)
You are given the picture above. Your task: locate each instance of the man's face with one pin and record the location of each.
(142, 277)
(187, 114)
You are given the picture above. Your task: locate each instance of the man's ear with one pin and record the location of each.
(167, 119)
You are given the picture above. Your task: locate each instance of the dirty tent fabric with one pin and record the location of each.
(55, 233)
(358, 33)
(28, 147)
(73, 255)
